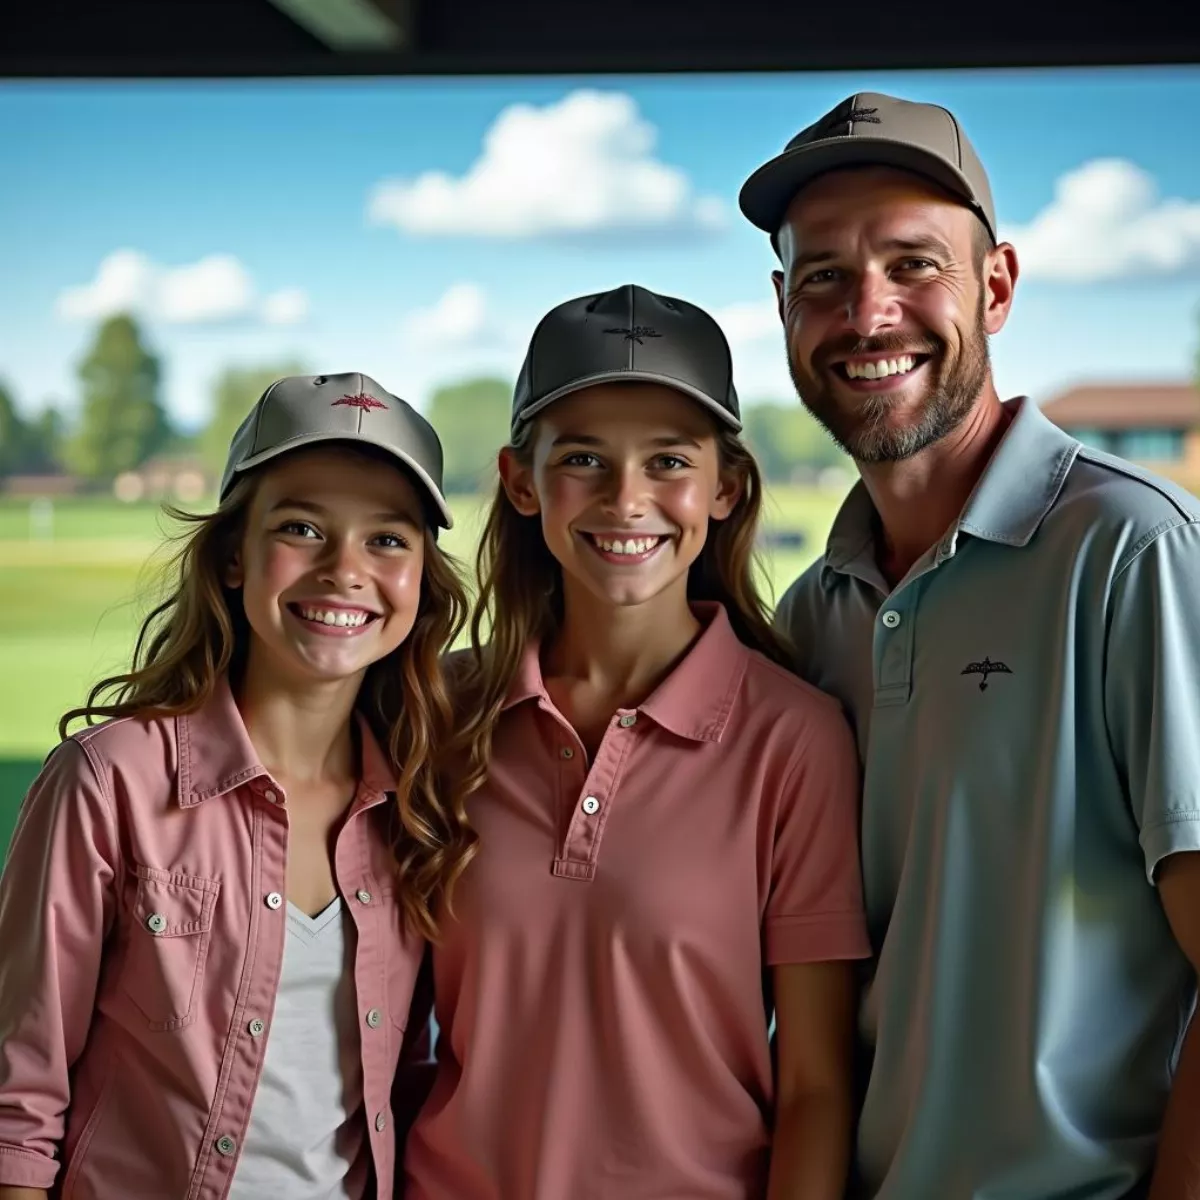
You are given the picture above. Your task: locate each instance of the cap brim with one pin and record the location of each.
(577, 385)
(446, 519)
(766, 195)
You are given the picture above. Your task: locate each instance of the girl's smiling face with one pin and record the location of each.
(330, 564)
(625, 478)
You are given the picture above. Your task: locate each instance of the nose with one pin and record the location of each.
(873, 304)
(342, 566)
(626, 494)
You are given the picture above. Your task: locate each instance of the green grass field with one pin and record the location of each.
(69, 598)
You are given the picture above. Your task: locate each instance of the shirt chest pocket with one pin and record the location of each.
(169, 927)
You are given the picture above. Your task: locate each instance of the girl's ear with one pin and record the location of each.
(234, 576)
(730, 486)
(518, 483)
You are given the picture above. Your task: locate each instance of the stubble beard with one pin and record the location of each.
(865, 433)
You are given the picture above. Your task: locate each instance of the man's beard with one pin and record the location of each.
(864, 432)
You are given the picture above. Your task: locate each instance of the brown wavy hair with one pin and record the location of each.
(199, 633)
(521, 594)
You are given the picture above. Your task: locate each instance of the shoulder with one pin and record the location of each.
(801, 597)
(777, 697)
(1106, 493)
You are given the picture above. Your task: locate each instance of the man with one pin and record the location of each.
(1012, 621)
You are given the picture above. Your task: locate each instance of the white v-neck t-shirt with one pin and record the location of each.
(307, 1135)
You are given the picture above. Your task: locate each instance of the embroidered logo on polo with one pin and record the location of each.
(984, 668)
(359, 400)
(636, 333)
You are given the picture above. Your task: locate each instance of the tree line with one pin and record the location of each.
(122, 422)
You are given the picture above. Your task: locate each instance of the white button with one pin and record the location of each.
(257, 1027)
(591, 805)
(156, 922)
(363, 896)
(274, 900)
(374, 1017)
(891, 618)
(272, 796)
(380, 1122)
(627, 720)
(567, 752)
(226, 1146)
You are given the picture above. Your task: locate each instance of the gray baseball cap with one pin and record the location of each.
(302, 410)
(871, 129)
(627, 334)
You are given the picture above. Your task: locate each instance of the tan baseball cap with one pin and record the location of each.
(302, 410)
(871, 129)
(630, 333)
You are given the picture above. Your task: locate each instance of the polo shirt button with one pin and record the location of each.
(257, 1027)
(272, 796)
(226, 1146)
(891, 618)
(363, 896)
(627, 720)
(156, 922)
(374, 1016)
(567, 752)
(274, 900)
(380, 1122)
(591, 805)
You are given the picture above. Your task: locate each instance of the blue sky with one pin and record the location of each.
(416, 229)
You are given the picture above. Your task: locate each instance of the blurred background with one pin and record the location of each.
(169, 246)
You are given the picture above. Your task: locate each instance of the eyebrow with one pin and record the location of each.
(926, 243)
(662, 442)
(399, 515)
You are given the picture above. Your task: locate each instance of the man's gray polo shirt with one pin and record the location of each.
(1027, 708)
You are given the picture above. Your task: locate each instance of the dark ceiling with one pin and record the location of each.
(132, 38)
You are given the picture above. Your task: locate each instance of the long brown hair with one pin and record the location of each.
(521, 594)
(199, 633)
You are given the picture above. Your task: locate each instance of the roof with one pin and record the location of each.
(1127, 406)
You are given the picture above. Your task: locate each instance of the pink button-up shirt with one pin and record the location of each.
(142, 920)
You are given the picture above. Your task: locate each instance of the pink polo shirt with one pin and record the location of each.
(601, 993)
(142, 922)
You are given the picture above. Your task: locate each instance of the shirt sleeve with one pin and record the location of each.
(814, 909)
(1152, 690)
(56, 906)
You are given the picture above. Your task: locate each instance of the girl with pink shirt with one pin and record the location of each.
(668, 857)
(208, 950)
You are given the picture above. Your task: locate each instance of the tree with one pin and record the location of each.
(13, 435)
(235, 394)
(472, 420)
(27, 446)
(122, 420)
(786, 438)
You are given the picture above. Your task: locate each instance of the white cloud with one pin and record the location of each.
(458, 318)
(760, 370)
(214, 289)
(1108, 221)
(288, 306)
(583, 165)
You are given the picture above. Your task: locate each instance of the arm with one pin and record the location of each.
(814, 1018)
(22, 1193)
(1177, 1173)
(56, 905)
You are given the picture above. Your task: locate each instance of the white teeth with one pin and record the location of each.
(339, 617)
(628, 546)
(881, 369)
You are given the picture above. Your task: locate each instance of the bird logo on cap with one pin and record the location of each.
(636, 333)
(359, 400)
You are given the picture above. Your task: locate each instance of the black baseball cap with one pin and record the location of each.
(871, 129)
(302, 410)
(630, 333)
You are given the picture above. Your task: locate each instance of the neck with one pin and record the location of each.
(919, 498)
(301, 732)
(622, 652)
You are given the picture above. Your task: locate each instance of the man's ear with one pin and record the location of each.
(517, 480)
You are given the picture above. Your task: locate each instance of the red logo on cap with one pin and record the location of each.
(361, 400)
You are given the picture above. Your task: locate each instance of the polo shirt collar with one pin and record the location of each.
(694, 702)
(1017, 489)
(216, 754)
